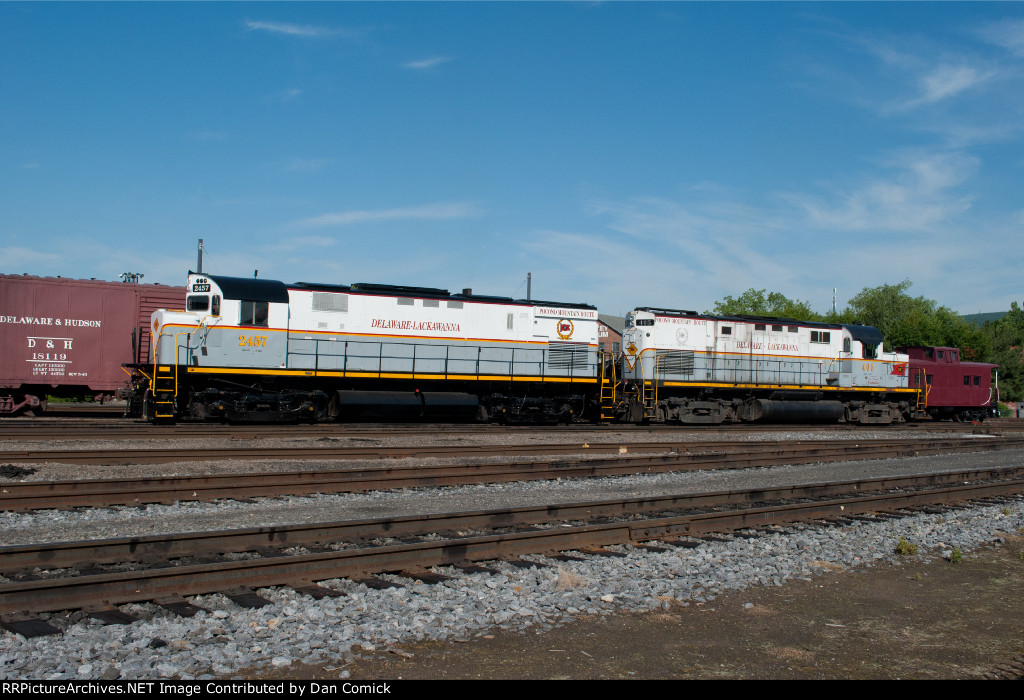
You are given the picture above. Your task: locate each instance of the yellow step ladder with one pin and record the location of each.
(610, 385)
(922, 392)
(649, 390)
(165, 390)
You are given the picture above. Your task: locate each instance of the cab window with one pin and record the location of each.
(197, 302)
(253, 313)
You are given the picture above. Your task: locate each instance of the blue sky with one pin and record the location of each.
(627, 154)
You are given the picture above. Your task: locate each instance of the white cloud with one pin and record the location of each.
(300, 30)
(17, 257)
(1009, 34)
(440, 210)
(426, 63)
(947, 81)
(918, 197)
(695, 247)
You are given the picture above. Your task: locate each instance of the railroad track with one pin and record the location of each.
(328, 451)
(336, 550)
(29, 495)
(124, 429)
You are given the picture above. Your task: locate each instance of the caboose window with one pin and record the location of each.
(967, 381)
(253, 313)
(977, 381)
(939, 354)
(199, 302)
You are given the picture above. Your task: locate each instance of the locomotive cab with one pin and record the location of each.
(245, 320)
(229, 324)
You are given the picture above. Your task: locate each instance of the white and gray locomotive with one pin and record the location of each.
(254, 349)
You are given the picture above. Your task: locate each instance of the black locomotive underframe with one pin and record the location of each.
(713, 406)
(283, 398)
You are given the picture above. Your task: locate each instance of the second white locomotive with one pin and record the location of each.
(681, 366)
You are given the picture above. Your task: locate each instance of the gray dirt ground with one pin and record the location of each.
(918, 618)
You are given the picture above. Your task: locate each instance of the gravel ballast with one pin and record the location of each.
(296, 629)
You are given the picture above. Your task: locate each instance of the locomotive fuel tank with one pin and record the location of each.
(792, 411)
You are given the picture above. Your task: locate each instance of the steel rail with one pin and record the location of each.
(20, 496)
(189, 544)
(150, 584)
(167, 455)
(123, 430)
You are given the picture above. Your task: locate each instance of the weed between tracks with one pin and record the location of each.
(905, 547)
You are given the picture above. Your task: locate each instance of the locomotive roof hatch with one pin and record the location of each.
(252, 289)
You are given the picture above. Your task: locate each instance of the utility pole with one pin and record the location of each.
(200, 264)
(529, 281)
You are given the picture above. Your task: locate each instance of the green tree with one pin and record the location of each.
(905, 320)
(759, 302)
(1007, 350)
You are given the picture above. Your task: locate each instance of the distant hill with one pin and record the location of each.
(981, 319)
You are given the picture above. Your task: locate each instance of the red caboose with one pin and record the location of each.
(953, 389)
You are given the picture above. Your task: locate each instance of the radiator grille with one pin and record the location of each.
(675, 361)
(567, 355)
(330, 301)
